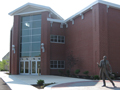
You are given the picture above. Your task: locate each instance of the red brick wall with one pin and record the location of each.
(114, 39)
(15, 41)
(45, 38)
(57, 50)
(79, 40)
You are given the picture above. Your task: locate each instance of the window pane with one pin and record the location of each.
(21, 67)
(36, 31)
(26, 67)
(25, 39)
(27, 18)
(51, 62)
(36, 17)
(36, 24)
(35, 54)
(55, 62)
(35, 46)
(62, 62)
(59, 66)
(51, 66)
(25, 32)
(58, 62)
(55, 66)
(25, 47)
(26, 25)
(24, 55)
(36, 38)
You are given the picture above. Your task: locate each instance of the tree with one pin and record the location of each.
(71, 61)
(4, 64)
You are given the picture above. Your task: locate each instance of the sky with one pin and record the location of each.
(64, 8)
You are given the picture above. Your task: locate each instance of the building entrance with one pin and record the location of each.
(30, 67)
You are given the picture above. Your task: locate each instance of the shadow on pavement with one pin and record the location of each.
(80, 83)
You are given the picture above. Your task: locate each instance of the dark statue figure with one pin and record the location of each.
(104, 73)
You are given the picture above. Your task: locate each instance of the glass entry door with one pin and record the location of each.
(35, 64)
(24, 67)
(30, 67)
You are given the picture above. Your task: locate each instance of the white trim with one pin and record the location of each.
(35, 6)
(55, 20)
(107, 8)
(82, 16)
(62, 20)
(61, 25)
(51, 23)
(38, 11)
(66, 25)
(72, 21)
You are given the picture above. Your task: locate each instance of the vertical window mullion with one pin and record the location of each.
(57, 63)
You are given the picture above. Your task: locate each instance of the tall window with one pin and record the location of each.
(30, 40)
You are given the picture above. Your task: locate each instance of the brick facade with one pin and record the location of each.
(89, 39)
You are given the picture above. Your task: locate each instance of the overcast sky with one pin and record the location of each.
(64, 8)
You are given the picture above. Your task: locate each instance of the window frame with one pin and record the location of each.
(57, 39)
(57, 64)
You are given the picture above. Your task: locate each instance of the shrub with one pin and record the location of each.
(68, 72)
(96, 77)
(40, 82)
(86, 73)
(77, 71)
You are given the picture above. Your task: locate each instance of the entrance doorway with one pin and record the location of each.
(30, 67)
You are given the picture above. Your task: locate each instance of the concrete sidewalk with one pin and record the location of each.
(15, 83)
(23, 82)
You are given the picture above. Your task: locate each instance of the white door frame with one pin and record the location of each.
(24, 67)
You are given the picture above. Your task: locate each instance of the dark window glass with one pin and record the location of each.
(25, 39)
(55, 62)
(58, 62)
(55, 66)
(25, 32)
(51, 66)
(27, 18)
(24, 55)
(62, 66)
(51, 62)
(58, 66)
(35, 46)
(25, 47)
(36, 31)
(26, 25)
(36, 38)
(36, 24)
(36, 17)
(35, 54)
(62, 62)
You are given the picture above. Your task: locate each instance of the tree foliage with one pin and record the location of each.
(71, 61)
(4, 64)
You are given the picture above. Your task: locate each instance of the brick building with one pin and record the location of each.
(40, 38)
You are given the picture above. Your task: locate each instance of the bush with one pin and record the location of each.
(86, 73)
(77, 71)
(68, 72)
(40, 82)
(96, 77)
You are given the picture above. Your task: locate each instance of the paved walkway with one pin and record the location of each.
(3, 85)
(22, 82)
(87, 85)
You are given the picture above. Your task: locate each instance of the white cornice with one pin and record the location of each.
(35, 6)
(38, 11)
(55, 20)
(61, 20)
